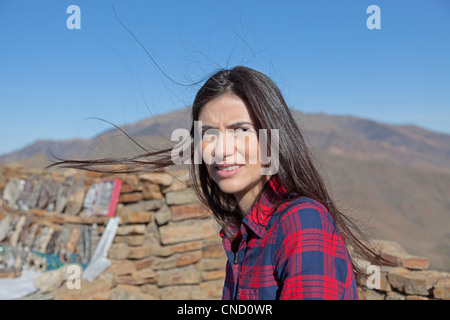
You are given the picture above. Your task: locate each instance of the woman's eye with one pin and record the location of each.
(241, 130)
(244, 132)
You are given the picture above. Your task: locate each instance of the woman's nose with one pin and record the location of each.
(224, 151)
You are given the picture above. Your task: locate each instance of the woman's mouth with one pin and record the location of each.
(226, 171)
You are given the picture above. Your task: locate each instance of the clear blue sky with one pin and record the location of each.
(53, 80)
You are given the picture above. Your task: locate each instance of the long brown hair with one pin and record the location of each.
(268, 109)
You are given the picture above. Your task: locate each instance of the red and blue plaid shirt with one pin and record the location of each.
(293, 252)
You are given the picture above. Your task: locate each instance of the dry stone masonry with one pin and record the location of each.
(166, 245)
(405, 278)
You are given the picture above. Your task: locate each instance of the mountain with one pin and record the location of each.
(112, 142)
(45, 147)
(367, 139)
(339, 135)
(394, 179)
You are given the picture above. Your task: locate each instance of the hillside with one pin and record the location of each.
(339, 135)
(109, 143)
(394, 178)
(367, 139)
(396, 202)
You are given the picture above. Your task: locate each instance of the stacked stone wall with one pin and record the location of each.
(166, 245)
(403, 277)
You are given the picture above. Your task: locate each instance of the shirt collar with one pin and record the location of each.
(261, 211)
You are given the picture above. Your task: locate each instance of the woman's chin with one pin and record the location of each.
(230, 187)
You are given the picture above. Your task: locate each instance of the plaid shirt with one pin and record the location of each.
(295, 252)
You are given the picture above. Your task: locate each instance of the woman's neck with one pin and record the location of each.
(246, 199)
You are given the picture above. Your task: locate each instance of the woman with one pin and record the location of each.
(282, 233)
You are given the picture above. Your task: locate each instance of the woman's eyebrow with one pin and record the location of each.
(239, 123)
(232, 125)
(207, 127)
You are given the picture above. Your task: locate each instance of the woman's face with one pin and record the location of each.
(230, 147)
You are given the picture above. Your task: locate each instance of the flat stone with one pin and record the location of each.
(151, 289)
(49, 280)
(130, 197)
(63, 193)
(131, 240)
(162, 178)
(76, 198)
(33, 199)
(167, 250)
(188, 230)
(4, 226)
(89, 199)
(130, 229)
(136, 280)
(414, 282)
(53, 195)
(135, 217)
(126, 188)
(148, 205)
(181, 197)
(415, 297)
(184, 259)
(25, 193)
(392, 252)
(208, 264)
(374, 295)
(118, 251)
(140, 252)
(176, 186)
(185, 292)
(213, 250)
(152, 205)
(163, 263)
(441, 289)
(14, 238)
(395, 296)
(415, 262)
(213, 288)
(189, 211)
(163, 215)
(214, 275)
(122, 267)
(144, 263)
(46, 190)
(45, 239)
(151, 191)
(99, 289)
(12, 190)
(178, 276)
(130, 183)
(74, 237)
(130, 292)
